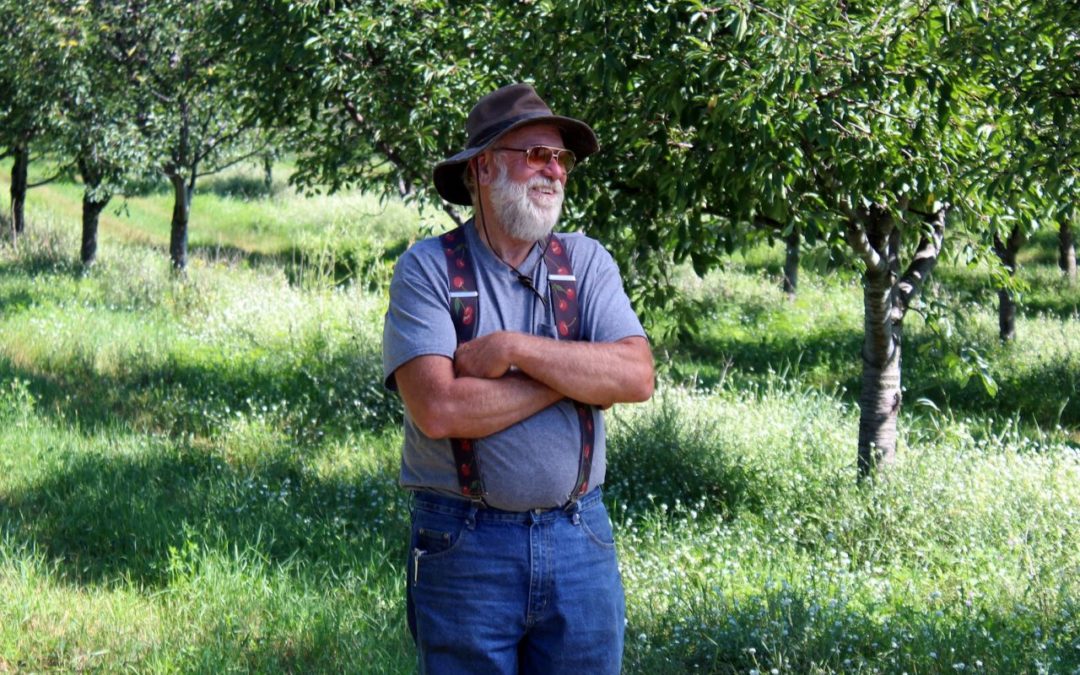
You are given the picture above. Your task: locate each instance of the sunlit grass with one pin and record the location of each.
(199, 471)
(747, 545)
(222, 224)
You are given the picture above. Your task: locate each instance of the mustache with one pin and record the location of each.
(545, 182)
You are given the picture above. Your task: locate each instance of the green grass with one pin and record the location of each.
(198, 473)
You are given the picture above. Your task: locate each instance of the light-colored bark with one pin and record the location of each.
(887, 295)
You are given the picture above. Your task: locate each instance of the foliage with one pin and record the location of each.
(1027, 54)
(710, 117)
(34, 49)
(99, 129)
(853, 124)
(200, 474)
(185, 92)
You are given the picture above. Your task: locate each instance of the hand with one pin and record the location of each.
(487, 357)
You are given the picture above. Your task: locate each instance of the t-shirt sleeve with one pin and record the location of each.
(607, 314)
(418, 320)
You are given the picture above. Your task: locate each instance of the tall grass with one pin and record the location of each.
(747, 545)
(198, 472)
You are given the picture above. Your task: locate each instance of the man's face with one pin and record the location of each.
(527, 201)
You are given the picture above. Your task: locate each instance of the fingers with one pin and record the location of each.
(480, 358)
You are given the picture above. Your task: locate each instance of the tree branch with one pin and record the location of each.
(1006, 250)
(926, 257)
(214, 143)
(233, 162)
(60, 172)
(406, 172)
(860, 243)
(767, 222)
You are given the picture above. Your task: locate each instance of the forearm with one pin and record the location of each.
(473, 407)
(595, 373)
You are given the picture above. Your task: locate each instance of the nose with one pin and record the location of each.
(554, 170)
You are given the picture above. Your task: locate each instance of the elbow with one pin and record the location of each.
(433, 421)
(643, 389)
(636, 390)
(644, 381)
(642, 374)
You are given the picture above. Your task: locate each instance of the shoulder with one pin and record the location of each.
(424, 258)
(585, 252)
(423, 252)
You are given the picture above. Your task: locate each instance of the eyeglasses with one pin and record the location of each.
(538, 156)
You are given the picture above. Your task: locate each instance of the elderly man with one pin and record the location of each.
(506, 341)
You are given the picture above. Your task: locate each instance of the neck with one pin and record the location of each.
(506, 248)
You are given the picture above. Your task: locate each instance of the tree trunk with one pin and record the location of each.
(1067, 251)
(178, 231)
(94, 202)
(1006, 315)
(18, 190)
(792, 243)
(92, 209)
(886, 298)
(183, 159)
(268, 173)
(879, 400)
(1006, 252)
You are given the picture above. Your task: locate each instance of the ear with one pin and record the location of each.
(484, 166)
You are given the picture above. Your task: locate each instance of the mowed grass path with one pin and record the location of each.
(199, 473)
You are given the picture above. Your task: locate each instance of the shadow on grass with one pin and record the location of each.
(41, 262)
(823, 354)
(829, 360)
(18, 300)
(336, 263)
(102, 518)
(339, 265)
(314, 393)
(239, 186)
(1046, 293)
(1046, 395)
(667, 460)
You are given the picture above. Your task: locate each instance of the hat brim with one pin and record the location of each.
(449, 174)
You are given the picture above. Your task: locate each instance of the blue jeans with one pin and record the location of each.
(493, 591)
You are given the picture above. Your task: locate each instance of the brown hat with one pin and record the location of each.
(503, 110)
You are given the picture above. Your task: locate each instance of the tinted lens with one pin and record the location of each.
(538, 157)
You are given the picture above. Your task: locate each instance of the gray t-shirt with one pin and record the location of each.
(534, 463)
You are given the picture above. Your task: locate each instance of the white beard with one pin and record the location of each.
(525, 216)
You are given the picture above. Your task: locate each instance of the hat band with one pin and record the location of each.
(489, 133)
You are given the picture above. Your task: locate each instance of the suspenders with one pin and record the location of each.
(465, 311)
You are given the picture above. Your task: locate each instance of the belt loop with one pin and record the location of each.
(470, 519)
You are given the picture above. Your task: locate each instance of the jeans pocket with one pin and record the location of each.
(434, 536)
(597, 525)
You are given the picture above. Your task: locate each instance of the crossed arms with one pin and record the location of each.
(502, 378)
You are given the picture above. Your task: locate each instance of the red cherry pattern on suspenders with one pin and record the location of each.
(464, 311)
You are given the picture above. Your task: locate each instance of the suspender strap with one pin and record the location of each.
(465, 311)
(562, 287)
